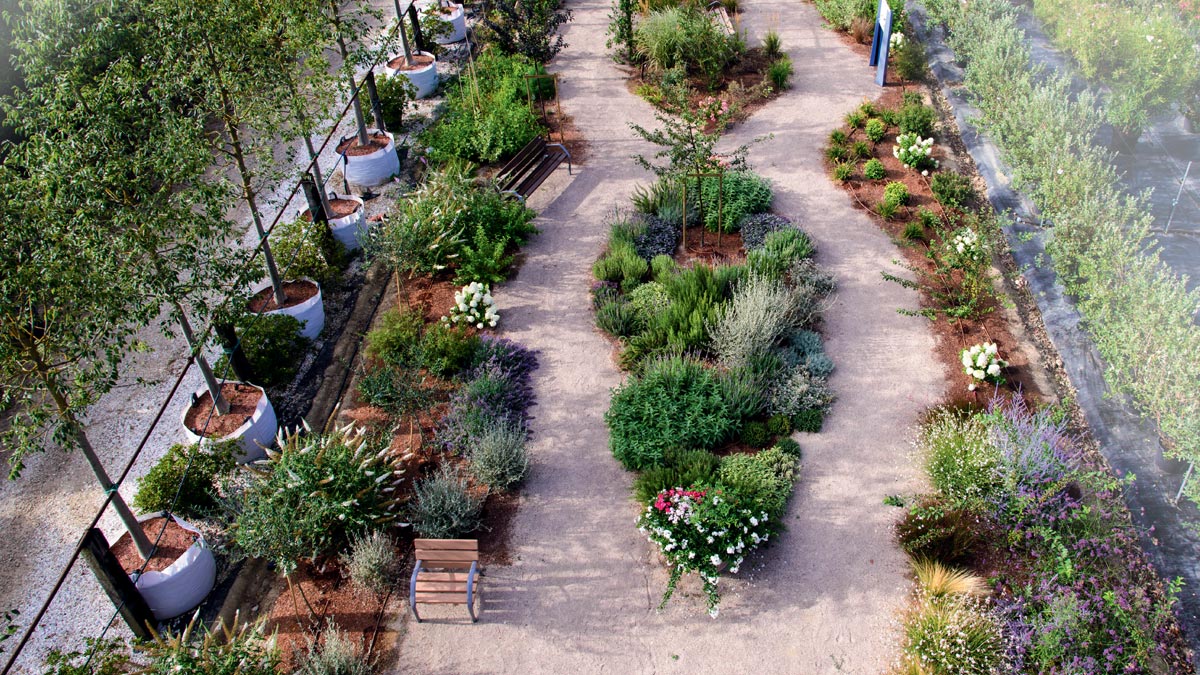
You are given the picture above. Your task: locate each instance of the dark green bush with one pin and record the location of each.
(273, 346)
(695, 294)
(874, 170)
(809, 421)
(916, 118)
(843, 171)
(395, 94)
(780, 72)
(662, 266)
(764, 479)
(837, 153)
(855, 119)
(684, 37)
(680, 468)
(741, 193)
(933, 530)
(780, 250)
(620, 264)
(837, 137)
(484, 260)
(861, 150)
(896, 193)
(913, 231)
(446, 350)
(772, 45)
(755, 434)
(619, 319)
(397, 340)
(396, 390)
(488, 119)
(876, 130)
(675, 402)
(887, 209)
(196, 483)
(952, 190)
(303, 249)
(789, 447)
(744, 392)
(779, 425)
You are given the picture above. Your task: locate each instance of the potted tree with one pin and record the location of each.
(452, 15)
(419, 67)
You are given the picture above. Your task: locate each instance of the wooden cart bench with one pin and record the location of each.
(531, 167)
(457, 577)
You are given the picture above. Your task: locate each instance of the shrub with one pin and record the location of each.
(809, 420)
(887, 209)
(424, 234)
(680, 469)
(837, 153)
(960, 459)
(484, 260)
(755, 228)
(619, 319)
(779, 252)
(800, 391)
(937, 531)
(788, 447)
(755, 434)
(876, 130)
(498, 390)
(910, 60)
(664, 200)
(913, 231)
(243, 649)
(656, 237)
(952, 190)
(684, 37)
(674, 403)
(195, 482)
(763, 479)
(842, 14)
(895, 193)
(336, 653)
(373, 562)
(320, 490)
(397, 339)
(861, 150)
(779, 425)
(758, 315)
(604, 292)
(696, 294)
(780, 73)
(772, 45)
(649, 300)
(305, 249)
(498, 458)
(954, 636)
(916, 118)
(837, 137)
(744, 392)
(444, 506)
(527, 28)
(662, 266)
(843, 171)
(398, 391)
(446, 350)
(395, 94)
(914, 152)
(621, 264)
(272, 344)
(741, 194)
(509, 359)
(489, 119)
(874, 170)
(855, 119)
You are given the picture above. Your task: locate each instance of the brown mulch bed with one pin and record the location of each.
(294, 293)
(175, 542)
(202, 420)
(711, 248)
(740, 84)
(353, 148)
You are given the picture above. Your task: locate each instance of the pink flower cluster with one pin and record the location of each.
(668, 499)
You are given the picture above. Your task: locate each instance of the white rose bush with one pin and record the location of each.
(982, 363)
(474, 306)
(915, 152)
(967, 248)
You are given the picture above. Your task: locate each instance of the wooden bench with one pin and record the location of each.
(457, 578)
(531, 167)
(721, 16)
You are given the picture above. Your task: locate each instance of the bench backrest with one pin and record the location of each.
(447, 553)
(529, 157)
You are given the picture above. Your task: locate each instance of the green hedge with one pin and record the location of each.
(1138, 311)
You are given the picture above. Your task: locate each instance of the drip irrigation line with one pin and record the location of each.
(20, 646)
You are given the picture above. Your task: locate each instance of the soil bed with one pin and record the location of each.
(702, 245)
(202, 420)
(174, 543)
(353, 148)
(294, 292)
(339, 208)
(419, 61)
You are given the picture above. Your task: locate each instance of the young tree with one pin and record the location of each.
(528, 27)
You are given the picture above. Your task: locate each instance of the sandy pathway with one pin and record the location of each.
(582, 592)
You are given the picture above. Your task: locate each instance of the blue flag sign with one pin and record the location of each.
(883, 39)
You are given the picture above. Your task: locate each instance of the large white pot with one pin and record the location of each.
(349, 230)
(375, 168)
(424, 80)
(184, 585)
(256, 433)
(310, 313)
(458, 22)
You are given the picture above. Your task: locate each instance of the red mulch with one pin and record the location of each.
(175, 542)
(242, 400)
(352, 147)
(294, 293)
(419, 61)
(709, 247)
(433, 296)
(340, 208)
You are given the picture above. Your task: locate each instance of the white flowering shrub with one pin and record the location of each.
(474, 306)
(967, 247)
(896, 42)
(915, 152)
(982, 362)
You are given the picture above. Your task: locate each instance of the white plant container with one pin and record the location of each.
(185, 583)
(350, 230)
(310, 313)
(373, 168)
(424, 79)
(457, 19)
(255, 434)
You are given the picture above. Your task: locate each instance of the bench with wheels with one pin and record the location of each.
(446, 573)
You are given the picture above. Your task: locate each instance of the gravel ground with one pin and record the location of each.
(582, 593)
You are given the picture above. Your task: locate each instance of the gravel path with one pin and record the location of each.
(581, 596)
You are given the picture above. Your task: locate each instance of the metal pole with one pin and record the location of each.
(1175, 203)
(1182, 485)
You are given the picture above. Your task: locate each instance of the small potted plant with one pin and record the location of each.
(450, 14)
(251, 420)
(303, 303)
(347, 220)
(180, 574)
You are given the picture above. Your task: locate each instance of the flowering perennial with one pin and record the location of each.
(700, 530)
(967, 246)
(915, 152)
(473, 305)
(982, 362)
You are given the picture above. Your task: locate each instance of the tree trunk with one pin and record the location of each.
(210, 382)
(376, 104)
(403, 35)
(359, 119)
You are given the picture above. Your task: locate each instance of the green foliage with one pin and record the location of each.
(744, 392)
(675, 402)
(779, 425)
(424, 235)
(696, 294)
(649, 300)
(487, 115)
(779, 252)
(399, 391)
(760, 312)
(529, 28)
(874, 170)
(959, 282)
(798, 392)
(772, 45)
(305, 249)
(193, 471)
(619, 319)
(99, 657)
(446, 350)
(373, 562)
(755, 434)
(272, 344)
(837, 137)
(680, 469)
(933, 530)
(843, 171)
(318, 492)
(484, 260)
(855, 119)
(895, 193)
(841, 13)
(444, 506)
(336, 653)
(780, 73)
(498, 457)
(837, 153)
(913, 231)
(397, 339)
(788, 447)
(396, 92)
(736, 195)
(621, 264)
(876, 129)
(764, 478)
(960, 458)
(954, 635)
(620, 30)
(916, 118)
(236, 650)
(951, 190)
(662, 267)
(684, 36)
(887, 209)
(861, 150)
(910, 61)
(682, 140)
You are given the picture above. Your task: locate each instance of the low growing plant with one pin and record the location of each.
(444, 506)
(184, 481)
(498, 457)
(950, 189)
(874, 170)
(876, 129)
(373, 562)
(915, 152)
(272, 344)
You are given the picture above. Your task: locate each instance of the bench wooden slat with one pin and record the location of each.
(443, 576)
(435, 557)
(549, 163)
(457, 587)
(529, 156)
(446, 544)
(441, 599)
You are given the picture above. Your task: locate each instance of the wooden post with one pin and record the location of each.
(316, 210)
(376, 104)
(700, 176)
(238, 362)
(116, 583)
(416, 28)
